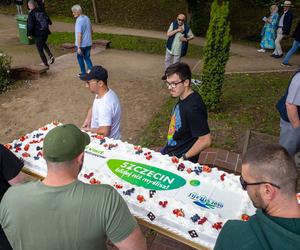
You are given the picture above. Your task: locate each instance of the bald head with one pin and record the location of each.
(272, 163)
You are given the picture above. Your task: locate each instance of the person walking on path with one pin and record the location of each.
(179, 34)
(38, 27)
(284, 28)
(288, 107)
(61, 212)
(83, 39)
(41, 4)
(295, 46)
(268, 31)
(19, 4)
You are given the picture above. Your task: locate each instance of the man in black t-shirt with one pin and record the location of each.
(10, 167)
(188, 132)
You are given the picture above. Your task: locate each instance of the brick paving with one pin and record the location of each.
(222, 159)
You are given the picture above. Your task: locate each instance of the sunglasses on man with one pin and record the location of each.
(244, 183)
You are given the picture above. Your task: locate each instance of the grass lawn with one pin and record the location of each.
(248, 102)
(125, 42)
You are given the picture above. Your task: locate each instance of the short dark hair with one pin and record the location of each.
(181, 69)
(272, 163)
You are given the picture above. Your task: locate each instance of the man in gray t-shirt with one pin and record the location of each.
(290, 129)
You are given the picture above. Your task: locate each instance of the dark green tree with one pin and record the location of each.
(216, 54)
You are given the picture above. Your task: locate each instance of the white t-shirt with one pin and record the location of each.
(106, 111)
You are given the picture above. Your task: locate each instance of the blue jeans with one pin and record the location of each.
(84, 56)
(292, 50)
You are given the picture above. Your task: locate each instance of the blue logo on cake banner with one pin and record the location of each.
(203, 201)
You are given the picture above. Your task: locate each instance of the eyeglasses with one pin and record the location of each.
(244, 184)
(180, 20)
(173, 84)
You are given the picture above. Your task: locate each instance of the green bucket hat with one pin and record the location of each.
(64, 143)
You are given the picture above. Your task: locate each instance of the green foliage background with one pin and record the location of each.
(216, 54)
(245, 16)
(5, 61)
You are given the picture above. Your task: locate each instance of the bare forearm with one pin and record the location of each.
(173, 32)
(202, 143)
(293, 116)
(105, 130)
(79, 37)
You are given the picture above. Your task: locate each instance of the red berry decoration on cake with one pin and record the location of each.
(148, 155)
(181, 167)
(23, 138)
(140, 198)
(178, 212)
(175, 159)
(189, 170)
(118, 186)
(44, 128)
(94, 181)
(26, 147)
(206, 169)
(217, 225)
(88, 176)
(163, 203)
(202, 220)
(25, 155)
(222, 177)
(55, 123)
(245, 217)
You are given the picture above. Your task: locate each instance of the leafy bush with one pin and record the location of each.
(5, 62)
(216, 54)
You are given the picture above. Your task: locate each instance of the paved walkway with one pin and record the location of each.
(243, 59)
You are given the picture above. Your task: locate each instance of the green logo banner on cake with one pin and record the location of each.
(145, 176)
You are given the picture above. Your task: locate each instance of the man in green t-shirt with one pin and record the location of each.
(269, 175)
(61, 212)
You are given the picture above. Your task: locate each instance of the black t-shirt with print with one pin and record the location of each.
(188, 122)
(10, 166)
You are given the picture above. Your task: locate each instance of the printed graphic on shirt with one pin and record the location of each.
(175, 125)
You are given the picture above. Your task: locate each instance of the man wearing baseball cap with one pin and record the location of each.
(104, 117)
(62, 212)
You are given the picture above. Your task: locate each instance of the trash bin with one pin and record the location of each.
(22, 26)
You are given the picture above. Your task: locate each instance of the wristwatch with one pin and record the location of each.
(184, 157)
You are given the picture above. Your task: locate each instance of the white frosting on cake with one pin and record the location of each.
(207, 195)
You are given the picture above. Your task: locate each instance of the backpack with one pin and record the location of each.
(42, 20)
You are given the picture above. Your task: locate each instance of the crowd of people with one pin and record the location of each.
(60, 212)
(275, 29)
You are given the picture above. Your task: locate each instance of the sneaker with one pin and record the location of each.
(273, 55)
(196, 82)
(81, 74)
(261, 50)
(278, 56)
(51, 60)
(286, 64)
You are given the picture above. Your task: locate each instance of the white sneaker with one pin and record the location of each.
(261, 50)
(196, 82)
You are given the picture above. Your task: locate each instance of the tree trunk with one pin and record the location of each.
(95, 11)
